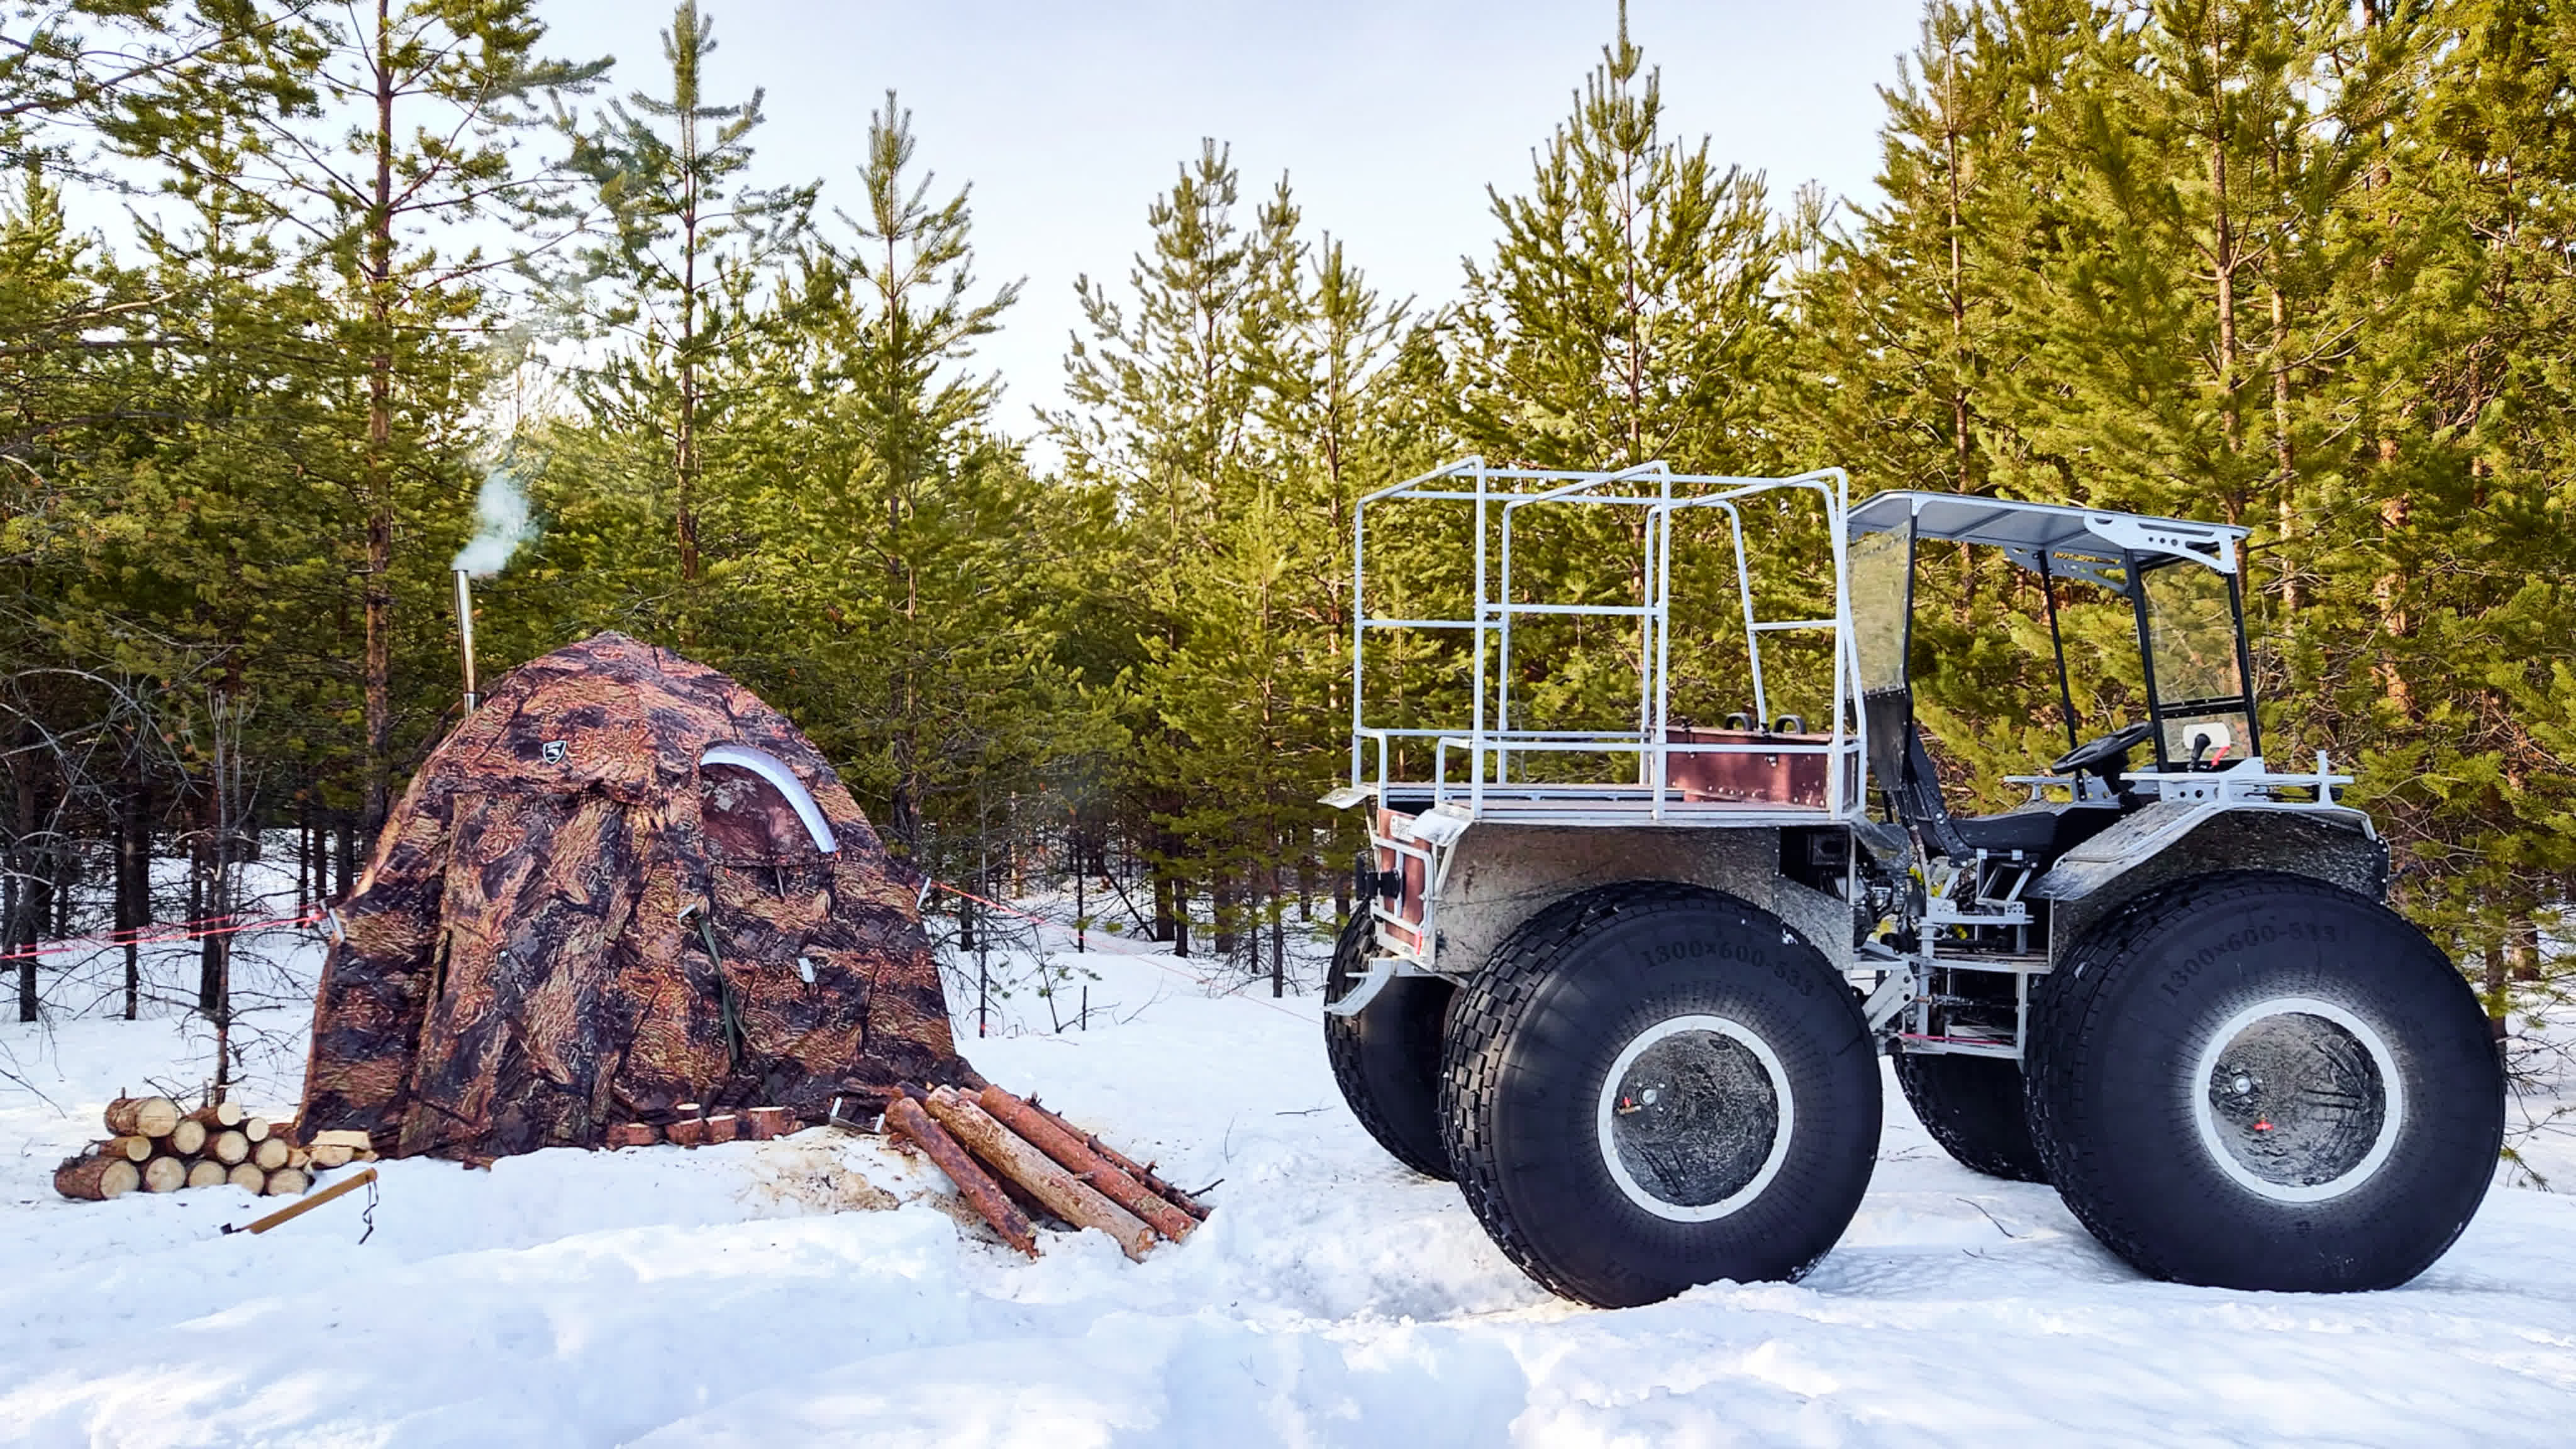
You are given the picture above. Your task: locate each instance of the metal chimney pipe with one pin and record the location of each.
(465, 635)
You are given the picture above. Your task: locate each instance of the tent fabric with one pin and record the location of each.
(575, 919)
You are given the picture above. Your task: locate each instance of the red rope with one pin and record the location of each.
(1156, 958)
(196, 930)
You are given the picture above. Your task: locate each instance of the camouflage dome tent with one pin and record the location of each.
(623, 884)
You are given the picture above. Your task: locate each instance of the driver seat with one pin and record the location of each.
(2040, 831)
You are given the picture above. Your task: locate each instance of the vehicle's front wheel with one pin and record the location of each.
(2252, 1080)
(1386, 1059)
(1653, 1086)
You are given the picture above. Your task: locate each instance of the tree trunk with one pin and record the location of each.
(378, 462)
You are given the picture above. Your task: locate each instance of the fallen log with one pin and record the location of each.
(205, 1172)
(287, 1182)
(165, 1174)
(1143, 1173)
(247, 1175)
(269, 1154)
(981, 1192)
(1086, 1163)
(1064, 1195)
(96, 1178)
(141, 1116)
(188, 1138)
(228, 1147)
(132, 1149)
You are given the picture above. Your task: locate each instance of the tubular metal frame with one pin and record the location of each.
(1489, 738)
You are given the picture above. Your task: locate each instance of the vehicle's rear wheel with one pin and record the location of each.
(1973, 1107)
(2252, 1080)
(1386, 1059)
(1653, 1086)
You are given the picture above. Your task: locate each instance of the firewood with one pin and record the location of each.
(188, 1138)
(142, 1116)
(331, 1154)
(1117, 1159)
(96, 1178)
(132, 1149)
(248, 1175)
(287, 1182)
(268, 1155)
(723, 1127)
(257, 1129)
(1074, 1201)
(760, 1124)
(1086, 1164)
(228, 1147)
(350, 1138)
(299, 1156)
(205, 1172)
(687, 1132)
(905, 1116)
(633, 1134)
(216, 1116)
(165, 1174)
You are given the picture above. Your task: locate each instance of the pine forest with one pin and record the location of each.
(404, 290)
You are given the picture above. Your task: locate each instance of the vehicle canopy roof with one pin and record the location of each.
(2085, 543)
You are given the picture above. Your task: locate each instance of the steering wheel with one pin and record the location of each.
(2095, 754)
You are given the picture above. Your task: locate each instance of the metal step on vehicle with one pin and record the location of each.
(1625, 974)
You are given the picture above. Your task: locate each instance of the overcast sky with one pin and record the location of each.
(1390, 118)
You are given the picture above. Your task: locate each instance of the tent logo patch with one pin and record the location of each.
(552, 751)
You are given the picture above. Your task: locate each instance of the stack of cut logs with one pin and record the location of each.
(692, 1125)
(154, 1145)
(1011, 1159)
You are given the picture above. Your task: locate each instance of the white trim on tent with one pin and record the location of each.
(769, 767)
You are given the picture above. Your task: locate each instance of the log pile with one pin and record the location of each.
(1000, 1151)
(154, 1146)
(690, 1124)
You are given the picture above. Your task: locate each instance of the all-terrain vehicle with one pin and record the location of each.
(1626, 974)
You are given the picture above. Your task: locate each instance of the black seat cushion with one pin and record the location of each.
(2044, 831)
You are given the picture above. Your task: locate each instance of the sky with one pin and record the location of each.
(1390, 119)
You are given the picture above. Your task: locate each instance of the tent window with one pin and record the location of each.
(754, 807)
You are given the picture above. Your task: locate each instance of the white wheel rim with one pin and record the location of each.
(1606, 1115)
(2213, 1139)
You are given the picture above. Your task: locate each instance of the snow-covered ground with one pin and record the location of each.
(820, 1289)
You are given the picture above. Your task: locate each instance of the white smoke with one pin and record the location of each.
(501, 525)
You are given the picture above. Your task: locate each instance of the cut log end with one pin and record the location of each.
(205, 1173)
(188, 1138)
(257, 1129)
(246, 1175)
(143, 1116)
(268, 1154)
(216, 1116)
(228, 1148)
(287, 1182)
(96, 1178)
(165, 1174)
(137, 1148)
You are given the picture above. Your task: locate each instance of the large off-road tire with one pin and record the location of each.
(1973, 1106)
(2252, 1080)
(1386, 1060)
(1652, 1086)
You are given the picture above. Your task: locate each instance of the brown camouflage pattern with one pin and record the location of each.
(524, 961)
